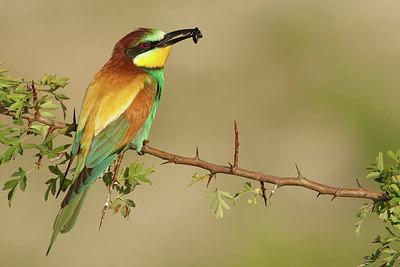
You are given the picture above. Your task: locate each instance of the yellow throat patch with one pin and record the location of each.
(154, 58)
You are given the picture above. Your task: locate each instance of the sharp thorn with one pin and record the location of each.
(209, 179)
(298, 172)
(230, 166)
(166, 162)
(337, 193)
(74, 118)
(359, 185)
(197, 152)
(319, 193)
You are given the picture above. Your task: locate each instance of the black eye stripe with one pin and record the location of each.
(138, 49)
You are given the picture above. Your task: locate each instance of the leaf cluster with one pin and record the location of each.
(219, 197)
(35, 97)
(127, 180)
(388, 178)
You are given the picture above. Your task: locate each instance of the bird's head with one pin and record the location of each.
(149, 48)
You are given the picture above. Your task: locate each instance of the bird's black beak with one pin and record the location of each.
(177, 36)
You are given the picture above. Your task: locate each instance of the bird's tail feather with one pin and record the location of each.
(66, 217)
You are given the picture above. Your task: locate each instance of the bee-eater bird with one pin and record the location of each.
(117, 112)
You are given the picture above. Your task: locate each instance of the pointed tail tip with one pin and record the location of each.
(49, 248)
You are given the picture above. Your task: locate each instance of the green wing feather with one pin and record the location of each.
(104, 150)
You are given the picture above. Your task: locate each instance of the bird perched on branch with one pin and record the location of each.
(117, 112)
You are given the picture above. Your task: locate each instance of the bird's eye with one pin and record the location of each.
(145, 45)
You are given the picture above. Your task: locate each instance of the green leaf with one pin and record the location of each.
(55, 170)
(224, 204)
(29, 145)
(107, 178)
(252, 201)
(16, 97)
(18, 122)
(212, 194)
(124, 210)
(219, 213)
(48, 78)
(64, 109)
(218, 204)
(17, 106)
(196, 178)
(380, 161)
(373, 175)
(143, 179)
(130, 203)
(46, 195)
(10, 196)
(361, 214)
(62, 82)
(5, 132)
(48, 105)
(61, 97)
(226, 194)
(395, 188)
(50, 137)
(247, 186)
(137, 171)
(11, 184)
(40, 128)
(214, 203)
(47, 114)
(392, 155)
(115, 206)
(391, 234)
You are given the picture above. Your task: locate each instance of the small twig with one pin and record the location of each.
(116, 169)
(59, 156)
(28, 88)
(110, 188)
(39, 162)
(235, 159)
(106, 205)
(273, 190)
(35, 99)
(264, 196)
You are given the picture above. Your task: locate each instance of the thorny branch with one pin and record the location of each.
(267, 178)
(214, 169)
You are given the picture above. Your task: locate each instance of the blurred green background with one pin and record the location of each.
(311, 82)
